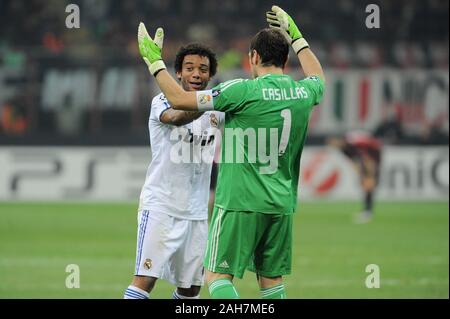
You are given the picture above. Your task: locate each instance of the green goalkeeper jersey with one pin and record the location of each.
(266, 123)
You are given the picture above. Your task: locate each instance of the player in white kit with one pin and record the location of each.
(173, 222)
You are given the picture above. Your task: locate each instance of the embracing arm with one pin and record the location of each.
(178, 98)
(150, 50)
(178, 118)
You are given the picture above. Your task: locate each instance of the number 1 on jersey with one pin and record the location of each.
(286, 132)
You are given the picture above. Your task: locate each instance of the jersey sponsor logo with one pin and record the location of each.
(191, 147)
(216, 93)
(203, 140)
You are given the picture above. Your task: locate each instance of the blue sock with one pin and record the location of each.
(133, 292)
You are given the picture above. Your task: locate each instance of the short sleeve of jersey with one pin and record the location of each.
(230, 96)
(315, 88)
(159, 105)
(221, 118)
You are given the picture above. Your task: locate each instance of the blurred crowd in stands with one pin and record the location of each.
(412, 34)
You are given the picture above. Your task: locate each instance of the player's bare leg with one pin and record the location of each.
(221, 286)
(368, 184)
(144, 282)
(187, 293)
(271, 288)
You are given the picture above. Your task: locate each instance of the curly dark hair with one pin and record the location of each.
(196, 49)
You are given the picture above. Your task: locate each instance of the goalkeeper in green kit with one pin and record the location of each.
(266, 125)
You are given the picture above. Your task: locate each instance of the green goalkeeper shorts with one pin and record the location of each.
(261, 243)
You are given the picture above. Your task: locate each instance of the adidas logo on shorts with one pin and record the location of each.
(224, 264)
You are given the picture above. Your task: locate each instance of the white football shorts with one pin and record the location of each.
(171, 248)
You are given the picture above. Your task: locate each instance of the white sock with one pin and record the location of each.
(176, 295)
(134, 292)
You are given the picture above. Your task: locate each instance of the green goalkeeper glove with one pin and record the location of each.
(279, 20)
(151, 49)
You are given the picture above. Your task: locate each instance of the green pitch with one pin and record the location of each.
(409, 242)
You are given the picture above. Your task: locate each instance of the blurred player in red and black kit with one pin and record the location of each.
(364, 151)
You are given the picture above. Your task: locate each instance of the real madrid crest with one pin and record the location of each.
(213, 120)
(148, 263)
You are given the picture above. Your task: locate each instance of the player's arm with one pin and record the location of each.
(178, 98)
(278, 19)
(310, 64)
(150, 50)
(178, 118)
(216, 99)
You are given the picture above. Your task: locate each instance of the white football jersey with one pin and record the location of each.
(178, 177)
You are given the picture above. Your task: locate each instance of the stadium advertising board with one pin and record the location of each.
(117, 174)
